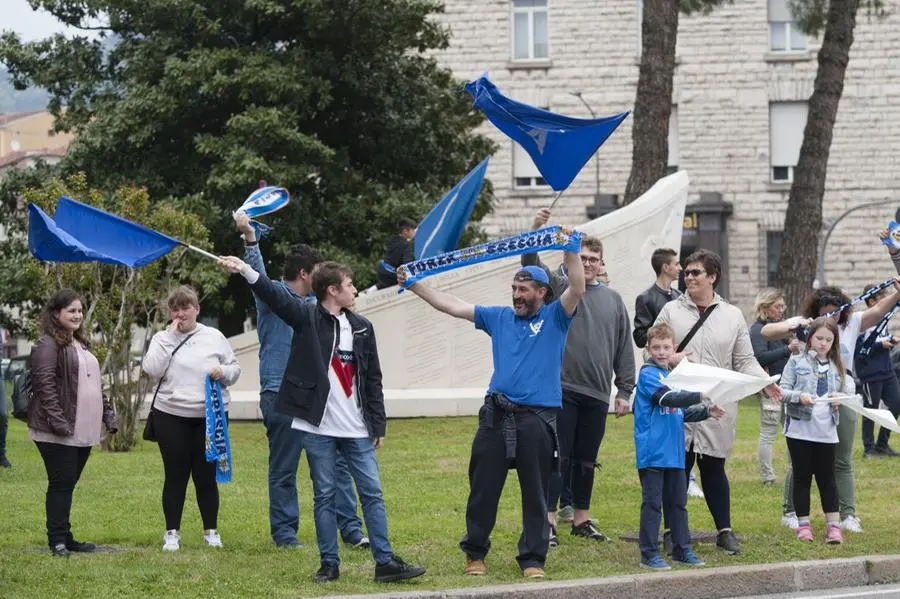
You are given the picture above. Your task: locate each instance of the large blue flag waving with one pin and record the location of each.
(82, 233)
(559, 145)
(442, 228)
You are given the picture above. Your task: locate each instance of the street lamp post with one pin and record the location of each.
(596, 154)
(820, 270)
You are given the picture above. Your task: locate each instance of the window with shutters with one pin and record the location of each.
(525, 172)
(786, 123)
(784, 33)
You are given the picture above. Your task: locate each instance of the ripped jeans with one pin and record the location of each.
(580, 426)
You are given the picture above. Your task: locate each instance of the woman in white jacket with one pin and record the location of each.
(182, 356)
(723, 340)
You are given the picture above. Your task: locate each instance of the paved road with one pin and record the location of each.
(871, 592)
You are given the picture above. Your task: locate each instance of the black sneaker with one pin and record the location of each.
(327, 573)
(587, 530)
(397, 569)
(886, 450)
(871, 453)
(4, 463)
(59, 550)
(727, 542)
(81, 546)
(554, 540)
(668, 545)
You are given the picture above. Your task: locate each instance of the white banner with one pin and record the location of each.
(433, 355)
(882, 418)
(721, 385)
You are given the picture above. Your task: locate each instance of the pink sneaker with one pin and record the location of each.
(804, 532)
(833, 534)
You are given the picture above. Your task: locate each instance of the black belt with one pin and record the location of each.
(494, 401)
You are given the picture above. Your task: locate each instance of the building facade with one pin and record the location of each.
(743, 77)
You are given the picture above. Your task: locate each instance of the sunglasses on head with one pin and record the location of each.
(831, 300)
(694, 272)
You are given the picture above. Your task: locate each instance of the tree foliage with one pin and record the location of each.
(123, 307)
(340, 101)
(653, 99)
(803, 219)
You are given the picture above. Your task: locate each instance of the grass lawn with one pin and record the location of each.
(423, 467)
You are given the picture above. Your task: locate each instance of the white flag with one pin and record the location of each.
(721, 385)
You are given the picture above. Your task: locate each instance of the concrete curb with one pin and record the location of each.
(705, 583)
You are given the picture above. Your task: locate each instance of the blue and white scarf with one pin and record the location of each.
(218, 445)
(548, 238)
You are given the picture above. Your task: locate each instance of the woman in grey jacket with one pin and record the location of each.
(722, 341)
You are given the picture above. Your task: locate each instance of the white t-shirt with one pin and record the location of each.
(343, 415)
(848, 333)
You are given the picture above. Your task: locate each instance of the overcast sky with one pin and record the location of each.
(29, 24)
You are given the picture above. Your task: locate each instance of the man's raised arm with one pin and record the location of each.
(443, 302)
(572, 295)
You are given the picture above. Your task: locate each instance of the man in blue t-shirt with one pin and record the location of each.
(517, 423)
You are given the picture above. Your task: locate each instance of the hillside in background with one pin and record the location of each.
(16, 101)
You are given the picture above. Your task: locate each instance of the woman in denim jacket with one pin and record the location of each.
(810, 426)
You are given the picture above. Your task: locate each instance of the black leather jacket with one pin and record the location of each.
(305, 386)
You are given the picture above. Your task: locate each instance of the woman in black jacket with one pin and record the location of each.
(771, 355)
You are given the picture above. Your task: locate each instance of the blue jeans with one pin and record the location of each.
(663, 489)
(285, 446)
(322, 453)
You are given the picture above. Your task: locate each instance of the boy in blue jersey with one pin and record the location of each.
(659, 417)
(517, 423)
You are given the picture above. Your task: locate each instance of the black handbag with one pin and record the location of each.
(149, 431)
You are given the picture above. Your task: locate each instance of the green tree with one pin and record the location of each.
(123, 306)
(342, 102)
(653, 100)
(803, 219)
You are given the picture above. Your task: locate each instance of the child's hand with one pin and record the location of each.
(676, 358)
(835, 405)
(716, 411)
(807, 400)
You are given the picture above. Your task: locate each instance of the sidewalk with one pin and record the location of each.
(702, 583)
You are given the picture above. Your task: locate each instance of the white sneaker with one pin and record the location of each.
(172, 540)
(212, 538)
(694, 490)
(790, 520)
(851, 524)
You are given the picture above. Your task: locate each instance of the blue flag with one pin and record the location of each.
(82, 233)
(442, 228)
(559, 145)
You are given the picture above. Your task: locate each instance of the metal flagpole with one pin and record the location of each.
(556, 199)
(199, 251)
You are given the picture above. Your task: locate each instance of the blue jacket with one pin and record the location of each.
(876, 366)
(659, 419)
(274, 334)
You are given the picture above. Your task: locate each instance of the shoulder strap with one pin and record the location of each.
(159, 384)
(695, 328)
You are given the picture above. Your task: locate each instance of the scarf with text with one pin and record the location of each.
(218, 445)
(548, 238)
